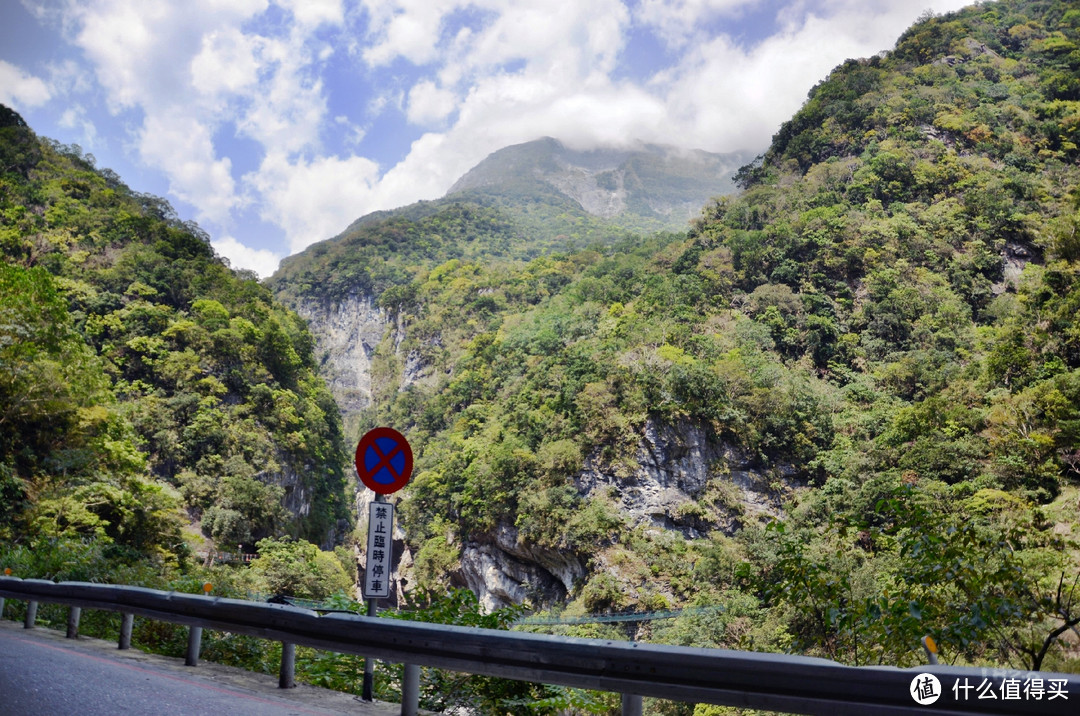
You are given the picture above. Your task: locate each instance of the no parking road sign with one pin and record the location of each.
(384, 460)
(379, 551)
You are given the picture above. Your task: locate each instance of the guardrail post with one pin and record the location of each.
(410, 690)
(194, 645)
(1, 607)
(287, 673)
(74, 613)
(126, 622)
(631, 705)
(31, 615)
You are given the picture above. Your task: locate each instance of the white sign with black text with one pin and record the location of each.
(379, 541)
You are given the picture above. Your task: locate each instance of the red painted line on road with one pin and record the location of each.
(284, 703)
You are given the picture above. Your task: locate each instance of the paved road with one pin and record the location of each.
(44, 674)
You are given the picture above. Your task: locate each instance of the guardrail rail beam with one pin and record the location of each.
(773, 682)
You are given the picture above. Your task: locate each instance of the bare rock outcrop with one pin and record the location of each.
(346, 334)
(505, 570)
(684, 481)
(687, 482)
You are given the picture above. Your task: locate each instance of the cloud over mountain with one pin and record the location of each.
(277, 123)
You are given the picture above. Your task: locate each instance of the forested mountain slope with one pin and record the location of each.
(143, 382)
(642, 188)
(521, 202)
(876, 342)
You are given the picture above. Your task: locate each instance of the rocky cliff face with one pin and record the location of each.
(645, 180)
(297, 498)
(503, 570)
(684, 482)
(346, 335)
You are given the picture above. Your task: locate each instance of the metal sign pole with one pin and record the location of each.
(369, 663)
(368, 689)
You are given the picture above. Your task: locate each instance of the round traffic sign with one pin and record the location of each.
(384, 460)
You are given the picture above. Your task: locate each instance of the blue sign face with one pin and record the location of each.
(384, 460)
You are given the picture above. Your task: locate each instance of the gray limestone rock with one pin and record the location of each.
(346, 334)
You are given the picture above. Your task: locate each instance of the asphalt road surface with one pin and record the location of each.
(44, 674)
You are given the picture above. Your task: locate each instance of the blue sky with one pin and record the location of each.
(275, 123)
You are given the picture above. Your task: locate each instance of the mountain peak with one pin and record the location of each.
(664, 184)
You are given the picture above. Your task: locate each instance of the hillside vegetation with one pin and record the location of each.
(521, 202)
(143, 383)
(882, 326)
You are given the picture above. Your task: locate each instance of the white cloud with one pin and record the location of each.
(404, 28)
(21, 90)
(185, 78)
(313, 13)
(182, 147)
(429, 104)
(261, 261)
(313, 199)
(353, 134)
(723, 97)
(557, 34)
(226, 63)
(68, 78)
(123, 39)
(676, 21)
(286, 110)
(565, 38)
(74, 117)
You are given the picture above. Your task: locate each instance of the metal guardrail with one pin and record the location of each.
(775, 682)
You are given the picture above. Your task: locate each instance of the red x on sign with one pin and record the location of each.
(384, 460)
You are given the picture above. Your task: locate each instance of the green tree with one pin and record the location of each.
(298, 568)
(245, 510)
(985, 579)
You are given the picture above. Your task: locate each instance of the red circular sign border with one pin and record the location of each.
(368, 440)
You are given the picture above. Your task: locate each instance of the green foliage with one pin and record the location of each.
(434, 562)
(378, 255)
(245, 510)
(891, 301)
(959, 571)
(141, 375)
(603, 594)
(298, 569)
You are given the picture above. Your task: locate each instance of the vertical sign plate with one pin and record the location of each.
(379, 541)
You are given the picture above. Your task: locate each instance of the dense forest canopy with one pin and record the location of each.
(143, 382)
(883, 324)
